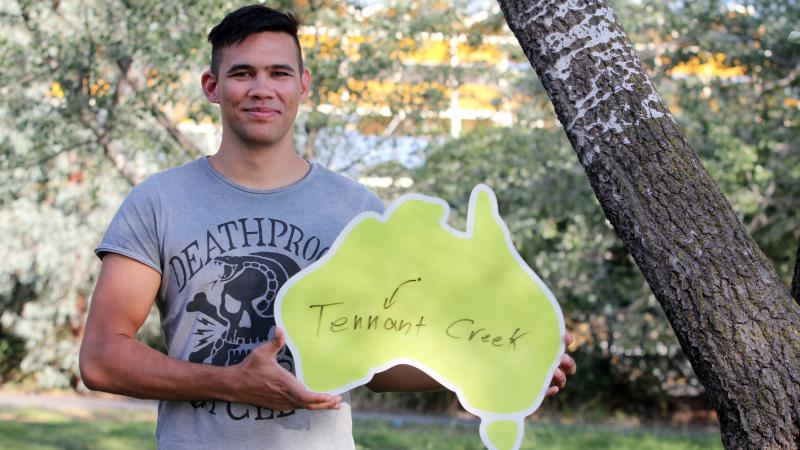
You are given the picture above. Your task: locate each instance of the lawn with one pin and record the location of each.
(372, 435)
(34, 428)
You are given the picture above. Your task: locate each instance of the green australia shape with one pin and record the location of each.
(406, 288)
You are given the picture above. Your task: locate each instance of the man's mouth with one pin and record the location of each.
(261, 113)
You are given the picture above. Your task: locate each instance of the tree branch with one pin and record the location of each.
(120, 162)
(184, 143)
(181, 139)
(393, 125)
(50, 156)
(762, 89)
(111, 151)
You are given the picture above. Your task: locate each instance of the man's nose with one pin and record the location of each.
(262, 87)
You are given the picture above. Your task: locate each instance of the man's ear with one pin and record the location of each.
(305, 84)
(209, 83)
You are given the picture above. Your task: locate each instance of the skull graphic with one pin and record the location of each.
(245, 312)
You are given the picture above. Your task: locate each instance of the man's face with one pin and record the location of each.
(258, 88)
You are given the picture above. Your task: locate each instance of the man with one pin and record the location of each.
(211, 242)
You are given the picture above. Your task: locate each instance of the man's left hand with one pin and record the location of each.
(567, 368)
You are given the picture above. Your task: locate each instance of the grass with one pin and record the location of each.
(36, 428)
(40, 429)
(382, 435)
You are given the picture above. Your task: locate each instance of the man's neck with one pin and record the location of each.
(259, 168)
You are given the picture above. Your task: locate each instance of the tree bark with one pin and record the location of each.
(796, 277)
(734, 318)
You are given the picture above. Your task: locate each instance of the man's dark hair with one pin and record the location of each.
(240, 24)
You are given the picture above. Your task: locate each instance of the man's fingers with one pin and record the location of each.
(559, 379)
(333, 404)
(277, 341)
(279, 389)
(313, 400)
(568, 365)
(279, 337)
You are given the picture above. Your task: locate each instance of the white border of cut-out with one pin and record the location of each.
(486, 417)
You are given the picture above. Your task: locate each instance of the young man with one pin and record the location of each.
(211, 242)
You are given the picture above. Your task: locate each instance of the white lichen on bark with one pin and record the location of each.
(597, 39)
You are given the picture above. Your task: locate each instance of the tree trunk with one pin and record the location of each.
(796, 277)
(734, 318)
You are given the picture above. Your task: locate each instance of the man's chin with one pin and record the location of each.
(261, 142)
(257, 136)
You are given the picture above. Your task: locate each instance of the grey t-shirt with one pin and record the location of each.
(223, 252)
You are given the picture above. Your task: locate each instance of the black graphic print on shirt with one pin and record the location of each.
(243, 316)
(238, 274)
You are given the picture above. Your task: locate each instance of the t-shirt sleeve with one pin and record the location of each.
(133, 231)
(374, 203)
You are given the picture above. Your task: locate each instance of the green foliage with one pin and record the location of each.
(83, 88)
(12, 350)
(90, 90)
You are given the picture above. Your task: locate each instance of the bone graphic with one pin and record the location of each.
(201, 304)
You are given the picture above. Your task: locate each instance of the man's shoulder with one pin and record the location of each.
(337, 180)
(169, 181)
(345, 190)
(177, 174)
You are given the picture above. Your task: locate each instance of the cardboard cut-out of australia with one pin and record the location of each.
(404, 287)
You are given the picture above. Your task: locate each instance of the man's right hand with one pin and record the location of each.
(112, 360)
(264, 382)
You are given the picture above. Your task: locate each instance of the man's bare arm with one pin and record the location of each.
(404, 378)
(112, 360)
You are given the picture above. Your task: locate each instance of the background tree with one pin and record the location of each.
(730, 310)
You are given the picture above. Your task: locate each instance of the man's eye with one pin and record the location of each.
(280, 74)
(241, 74)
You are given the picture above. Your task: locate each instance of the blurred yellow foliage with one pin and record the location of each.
(478, 96)
(379, 94)
(55, 90)
(484, 53)
(707, 65)
(152, 77)
(99, 88)
(430, 51)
